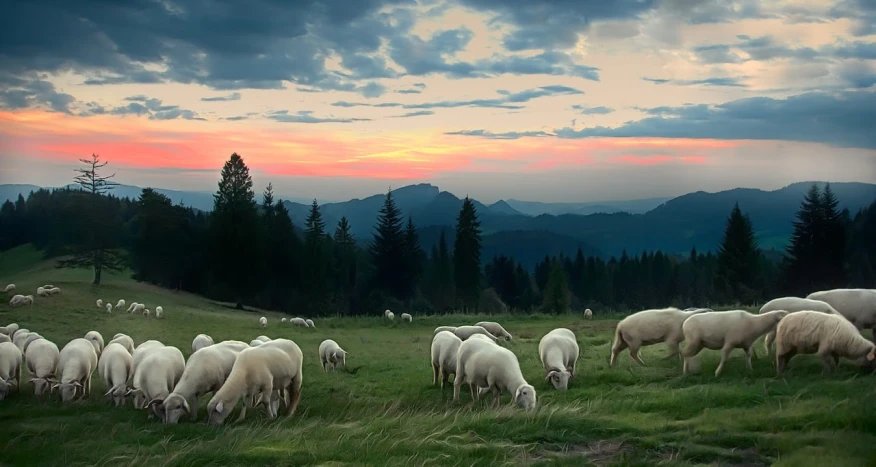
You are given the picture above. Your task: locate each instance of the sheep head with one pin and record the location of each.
(559, 378)
(175, 406)
(68, 390)
(524, 396)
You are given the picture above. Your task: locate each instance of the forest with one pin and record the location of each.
(247, 251)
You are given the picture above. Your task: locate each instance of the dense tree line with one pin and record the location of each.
(248, 252)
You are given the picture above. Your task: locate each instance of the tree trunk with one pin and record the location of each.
(98, 266)
(239, 305)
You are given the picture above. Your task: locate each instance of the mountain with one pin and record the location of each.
(502, 207)
(634, 206)
(10, 192)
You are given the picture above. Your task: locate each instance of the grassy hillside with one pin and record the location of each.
(389, 414)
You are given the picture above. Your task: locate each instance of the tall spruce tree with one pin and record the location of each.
(556, 294)
(316, 256)
(738, 257)
(388, 251)
(235, 232)
(802, 255)
(345, 263)
(833, 240)
(285, 249)
(100, 236)
(467, 255)
(414, 256)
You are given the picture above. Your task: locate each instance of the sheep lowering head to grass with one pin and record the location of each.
(856, 305)
(445, 346)
(300, 322)
(10, 368)
(829, 336)
(558, 351)
(158, 312)
(125, 341)
(114, 367)
(494, 368)
(725, 331)
(96, 340)
(792, 305)
(109, 307)
(200, 341)
(406, 318)
(465, 332)
(42, 358)
(309, 323)
(495, 329)
(78, 360)
(650, 327)
(445, 328)
(9, 288)
(331, 355)
(155, 376)
(588, 314)
(99, 303)
(121, 304)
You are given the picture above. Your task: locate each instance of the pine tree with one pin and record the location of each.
(833, 239)
(556, 294)
(414, 257)
(388, 251)
(235, 232)
(268, 207)
(467, 255)
(802, 256)
(345, 263)
(285, 250)
(738, 256)
(100, 239)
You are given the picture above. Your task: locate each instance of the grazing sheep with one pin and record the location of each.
(54, 291)
(155, 377)
(125, 341)
(42, 359)
(31, 337)
(300, 322)
(283, 320)
(390, 315)
(99, 303)
(41, 292)
(146, 312)
(77, 361)
(494, 368)
(48, 286)
(264, 338)
(21, 300)
(725, 331)
(20, 337)
(96, 340)
(257, 371)
(109, 307)
(331, 354)
(114, 367)
(205, 371)
(445, 346)
(309, 323)
(130, 307)
(138, 308)
(200, 341)
(386, 313)
(467, 348)
(830, 336)
(10, 368)
(495, 329)
(588, 314)
(141, 351)
(792, 305)
(406, 318)
(121, 304)
(464, 332)
(263, 322)
(294, 351)
(9, 329)
(158, 312)
(856, 305)
(558, 351)
(445, 328)
(9, 288)
(650, 327)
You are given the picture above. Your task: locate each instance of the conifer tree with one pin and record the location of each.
(315, 270)
(556, 294)
(345, 263)
(802, 256)
(833, 239)
(388, 250)
(467, 255)
(738, 256)
(414, 257)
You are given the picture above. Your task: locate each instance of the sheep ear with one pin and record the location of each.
(219, 407)
(186, 406)
(154, 402)
(551, 373)
(571, 374)
(77, 384)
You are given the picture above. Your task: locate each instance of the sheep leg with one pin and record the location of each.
(782, 361)
(634, 354)
(294, 393)
(690, 351)
(475, 393)
(749, 351)
(725, 354)
(324, 366)
(246, 401)
(496, 395)
(672, 345)
(828, 362)
(436, 371)
(616, 349)
(457, 382)
(770, 337)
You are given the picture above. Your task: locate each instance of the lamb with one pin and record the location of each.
(445, 328)
(120, 304)
(857, 305)
(588, 314)
(830, 336)
(263, 322)
(258, 370)
(406, 318)
(726, 330)
(42, 359)
(200, 341)
(445, 346)
(206, 371)
(99, 303)
(650, 327)
(558, 351)
(494, 368)
(109, 307)
(96, 340)
(495, 329)
(298, 322)
(464, 332)
(114, 367)
(791, 305)
(309, 323)
(125, 341)
(77, 361)
(155, 377)
(158, 312)
(10, 368)
(330, 354)
(9, 288)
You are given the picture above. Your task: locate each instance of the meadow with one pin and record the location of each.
(387, 412)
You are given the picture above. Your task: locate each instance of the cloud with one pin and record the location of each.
(862, 14)
(600, 110)
(234, 96)
(418, 113)
(32, 91)
(730, 82)
(141, 106)
(506, 135)
(305, 116)
(858, 74)
(509, 100)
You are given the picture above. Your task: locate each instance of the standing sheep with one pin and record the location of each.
(10, 368)
(114, 367)
(9, 329)
(390, 315)
(830, 336)
(300, 322)
(42, 359)
(96, 340)
(386, 313)
(263, 322)
(141, 351)
(200, 341)
(494, 368)
(857, 305)
(120, 304)
(309, 323)
(406, 318)
(155, 377)
(792, 305)
(109, 307)
(558, 351)
(99, 303)
(495, 329)
(331, 354)
(78, 361)
(725, 331)
(444, 350)
(464, 332)
(9, 288)
(130, 307)
(125, 341)
(158, 312)
(588, 314)
(650, 327)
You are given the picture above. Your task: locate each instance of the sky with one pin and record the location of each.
(550, 100)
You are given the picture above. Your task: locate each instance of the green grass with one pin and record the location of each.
(389, 414)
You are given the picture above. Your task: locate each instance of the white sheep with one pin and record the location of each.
(21, 300)
(9, 329)
(78, 360)
(445, 328)
(42, 358)
(331, 354)
(264, 370)
(48, 286)
(205, 371)
(158, 312)
(125, 341)
(155, 377)
(255, 343)
(9, 288)
(263, 322)
(558, 351)
(99, 303)
(283, 320)
(650, 327)
(495, 329)
(200, 341)
(493, 368)
(294, 351)
(725, 331)
(406, 318)
(54, 291)
(792, 305)
(830, 336)
(264, 338)
(445, 346)
(31, 337)
(20, 337)
(386, 313)
(300, 322)
(96, 340)
(10, 368)
(109, 307)
(146, 312)
(114, 367)
(469, 347)
(857, 305)
(42, 292)
(464, 332)
(130, 307)
(138, 308)
(4, 338)
(309, 323)
(120, 304)
(390, 315)
(141, 351)
(588, 314)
